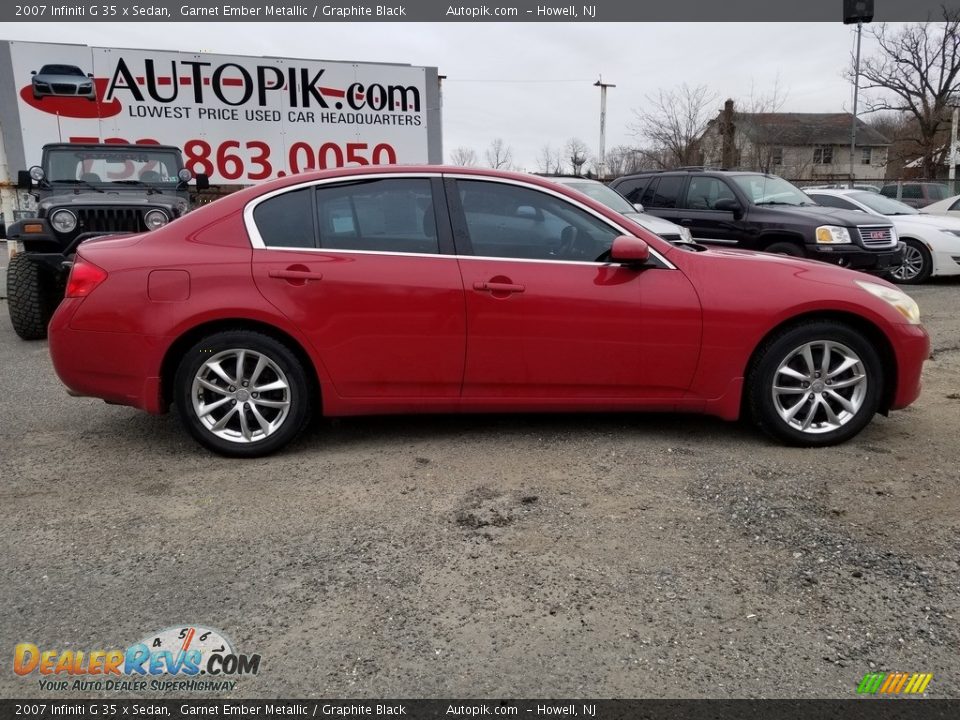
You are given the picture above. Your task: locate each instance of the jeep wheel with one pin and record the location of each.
(32, 296)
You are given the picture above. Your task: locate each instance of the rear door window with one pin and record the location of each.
(667, 194)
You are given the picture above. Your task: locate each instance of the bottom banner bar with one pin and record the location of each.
(872, 708)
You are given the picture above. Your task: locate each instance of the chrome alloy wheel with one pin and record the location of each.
(819, 387)
(912, 264)
(241, 396)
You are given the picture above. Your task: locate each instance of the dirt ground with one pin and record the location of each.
(534, 556)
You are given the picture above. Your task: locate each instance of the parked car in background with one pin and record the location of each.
(419, 289)
(931, 242)
(671, 232)
(915, 194)
(842, 186)
(762, 212)
(62, 81)
(950, 206)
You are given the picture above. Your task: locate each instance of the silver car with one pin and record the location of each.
(62, 81)
(671, 232)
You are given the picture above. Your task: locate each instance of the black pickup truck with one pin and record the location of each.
(756, 211)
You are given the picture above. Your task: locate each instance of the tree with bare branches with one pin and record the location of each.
(577, 154)
(550, 161)
(499, 155)
(916, 70)
(673, 122)
(464, 156)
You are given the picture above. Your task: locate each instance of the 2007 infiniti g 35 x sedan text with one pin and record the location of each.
(433, 289)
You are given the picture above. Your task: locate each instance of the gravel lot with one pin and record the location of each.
(592, 556)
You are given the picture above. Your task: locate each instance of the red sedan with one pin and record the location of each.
(432, 289)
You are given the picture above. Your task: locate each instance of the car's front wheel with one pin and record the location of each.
(815, 384)
(242, 393)
(917, 265)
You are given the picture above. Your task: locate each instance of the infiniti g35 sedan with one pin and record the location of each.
(434, 289)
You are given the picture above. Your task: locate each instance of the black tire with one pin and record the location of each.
(765, 409)
(32, 297)
(286, 368)
(919, 265)
(785, 248)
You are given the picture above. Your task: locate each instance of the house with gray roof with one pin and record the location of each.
(797, 146)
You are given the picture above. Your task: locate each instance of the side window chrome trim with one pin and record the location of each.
(256, 240)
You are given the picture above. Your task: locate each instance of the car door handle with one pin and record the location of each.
(296, 275)
(498, 287)
(686, 221)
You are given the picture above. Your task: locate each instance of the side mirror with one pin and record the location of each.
(90, 75)
(629, 250)
(203, 181)
(638, 207)
(33, 72)
(24, 181)
(727, 204)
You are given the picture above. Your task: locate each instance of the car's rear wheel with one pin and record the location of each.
(917, 265)
(242, 393)
(32, 297)
(815, 384)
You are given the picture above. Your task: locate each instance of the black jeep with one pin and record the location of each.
(82, 192)
(756, 211)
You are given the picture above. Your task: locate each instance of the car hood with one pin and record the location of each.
(827, 215)
(135, 197)
(939, 222)
(654, 224)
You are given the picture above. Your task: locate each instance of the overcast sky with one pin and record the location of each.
(532, 83)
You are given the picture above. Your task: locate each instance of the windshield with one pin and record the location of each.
(61, 70)
(883, 205)
(602, 194)
(770, 190)
(154, 168)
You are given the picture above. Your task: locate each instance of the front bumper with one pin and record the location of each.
(858, 258)
(911, 346)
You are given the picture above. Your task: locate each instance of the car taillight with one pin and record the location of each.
(84, 278)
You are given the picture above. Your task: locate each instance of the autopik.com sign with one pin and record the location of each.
(238, 119)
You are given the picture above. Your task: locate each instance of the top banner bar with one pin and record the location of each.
(447, 11)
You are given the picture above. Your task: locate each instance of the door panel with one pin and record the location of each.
(357, 267)
(579, 331)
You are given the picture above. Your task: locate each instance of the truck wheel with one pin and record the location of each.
(786, 248)
(31, 297)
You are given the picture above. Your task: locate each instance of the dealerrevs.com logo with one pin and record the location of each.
(181, 658)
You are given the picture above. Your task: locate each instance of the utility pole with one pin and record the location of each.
(602, 162)
(856, 91)
(953, 150)
(859, 12)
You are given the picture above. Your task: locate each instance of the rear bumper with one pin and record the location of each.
(911, 345)
(857, 258)
(120, 368)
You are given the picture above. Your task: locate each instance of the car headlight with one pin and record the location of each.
(832, 235)
(903, 303)
(686, 235)
(63, 221)
(155, 219)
